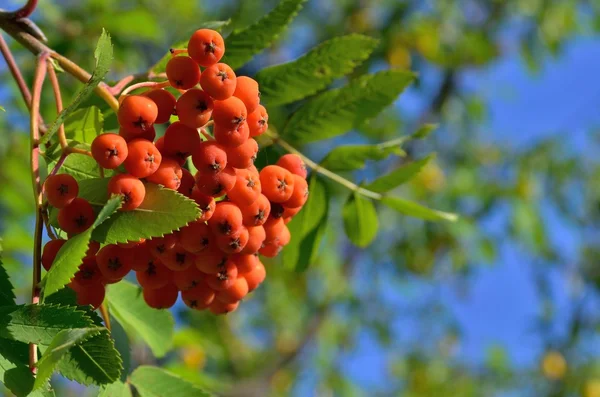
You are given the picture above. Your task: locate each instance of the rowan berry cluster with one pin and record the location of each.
(214, 261)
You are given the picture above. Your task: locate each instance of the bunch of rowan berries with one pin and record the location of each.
(212, 262)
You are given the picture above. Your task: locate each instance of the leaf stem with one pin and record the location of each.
(105, 316)
(324, 171)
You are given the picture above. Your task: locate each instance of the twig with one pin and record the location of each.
(62, 139)
(324, 171)
(38, 80)
(46, 222)
(24, 11)
(105, 315)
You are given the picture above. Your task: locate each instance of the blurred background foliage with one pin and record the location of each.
(503, 302)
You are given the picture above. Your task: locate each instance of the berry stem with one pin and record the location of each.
(38, 81)
(105, 316)
(46, 222)
(206, 134)
(324, 171)
(59, 163)
(62, 139)
(153, 84)
(174, 52)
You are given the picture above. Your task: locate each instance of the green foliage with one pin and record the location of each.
(116, 389)
(315, 70)
(60, 345)
(398, 176)
(14, 369)
(411, 208)
(161, 65)
(360, 220)
(79, 166)
(308, 227)
(162, 212)
(156, 382)
(72, 252)
(7, 296)
(353, 157)
(424, 131)
(83, 125)
(103, 55)
(155, 327)
(338, 110)
(243, 44)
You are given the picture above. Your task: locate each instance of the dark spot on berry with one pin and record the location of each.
(205, 242)
(180, 258)
(81, 221)
(277, 210)
(126, 197)
(216, 166)
(160, 248)
(140, 123)
(282, 184)
(210, 47)
(193, 303)
(151, 270)
(63, 189)
(218, 189)
(238, 120)
(202, 106)
(251, 183)
(179, 83)
(222, 263)
(260, 216)
(225, 227)
(222, 276)
(112, 152)
(235, 244)
(114, 264)
(149, 158)
(223, 75)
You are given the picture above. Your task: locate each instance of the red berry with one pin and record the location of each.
(206, 47)
(206, 203)
(233, 243)
(194, 108)
(245, 263)
(294, 164)
(246, 189)
(216, 185)
(256, 237)
(188, 279)
(242, 156)
(229, 113)
(235, 293)
(246, 89)
(159, 245)
(277, 183)
(149, 134)
(156, 275)
(224, 278)
(76, 217)
(183, 73)
(226, 219)
(181, 141)
(209, 157)
(187, 183)
(137, 113)
(161, 298)
(165, 102)
(217, 307)
(178, 259)
(211, 260)
(143, 159)
(218, 81)
(231, 136)
(199, 297)
(300, 193)
(130, 187)
(255, 276)
(168, 174)
(93, 295)
(258, 121)
(61, 189)
(109, 150)
(114, 262)
(50, 251)
(195, 237)
(257, 213)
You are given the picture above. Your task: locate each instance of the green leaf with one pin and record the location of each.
(411, 208)
(162, 212)
(104, 56)
(60, 345)
(308, 227)
(315, 70)
(14, 370)
(70, 255)
(399, 176)
(117, 389)
(424, 131)
(83, 125)
(360, 220)
(339, 110)
(79, 166)
(95, 361)
(243, 44)
(353, 157)
(39, 323)
(161, 65)
(156, 382)
(7, 296)
(155, 327)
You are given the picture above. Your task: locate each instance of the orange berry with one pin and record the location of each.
(76, 217)
(209, 157)
(206, 203)
(187, 183)
(195, 237)
(114, 262)
(246, 189)
(160, 144)
(165, 102)
(246, 89)
(257, 213)
(61, 189)
(217, 307)
(226, 219)
(242, 156)
(168, 174)
(290, 212)
(216, 185)
(188, 278)
(194, 108)
(294, 164)
(50, 251)
(206, 47)
(130, 187)
(235, 293)
(218, 81)
(159, 245)
(256, 237)
(211, 260)
(273, 228)
(199, 297)
(149, 134)
(277, 183)
(93, 295)
(109, 150)
(300, 193)
(143, 159)
(233, 243)
(161, 298)
(229, 113)
(231, 136)
(245, 263)
(255, 277)
(137, 113)
(156, 275)
(224, 278)
(88, 274)
(181, 141)
(258, 121)
(178, 259)
(140, 256)
(183, 73)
